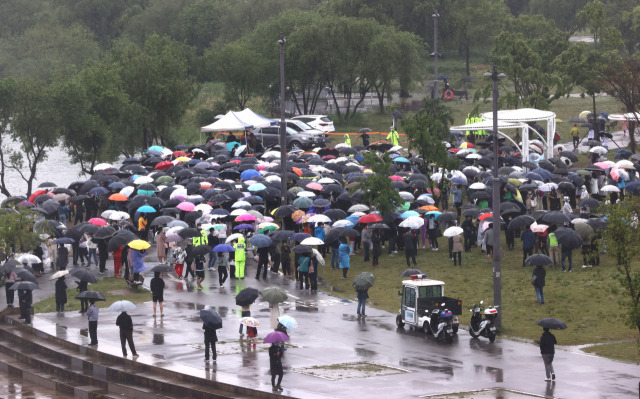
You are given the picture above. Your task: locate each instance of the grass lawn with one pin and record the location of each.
(114, 289)
(586, 299)
(624, 351)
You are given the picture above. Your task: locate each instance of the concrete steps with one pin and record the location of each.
(85, 372)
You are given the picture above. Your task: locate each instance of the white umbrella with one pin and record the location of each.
(343, 223)
(427, 198)
(307, 194)
(127, 191)
(599, 150)
(478, 186)
(204, 208)
(453, 231)
(318, 256)
(473, 156)
(358, 208)
(232, 238)
(609, 188)
(412, 222)
(59, 274)
(143, 180)
(407, 196)
(102, 166)
(312, 241)
(179, 192)
(319, 219)
(28, 258)
(578, 221)
(548, 187)
(238, 212)
(625, 164)
(119, 215)
(121, 306)
(241, 204)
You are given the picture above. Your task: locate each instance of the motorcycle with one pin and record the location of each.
(480, 327)
(440, 324)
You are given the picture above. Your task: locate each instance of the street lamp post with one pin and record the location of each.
(497, 265)
(283, 127)
(434, 93)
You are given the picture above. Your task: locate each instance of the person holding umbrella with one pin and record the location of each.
(275, 365)
(126, 333)
(362, 301)
(304, 264)
(25, 298)
(92, 316)
(82, 287)
(343, 251)
(240, 257)
(157, 291)
(211, 321)
(377, 248)
(61, 294)
(537, 279)
(223, 267)
(10, 279)
(547, 350)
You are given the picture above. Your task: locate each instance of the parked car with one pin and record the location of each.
(318, 122)
(299, 126)
(269, 136)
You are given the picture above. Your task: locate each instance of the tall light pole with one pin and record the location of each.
(434, 93)
(497, 265)
(283, 127)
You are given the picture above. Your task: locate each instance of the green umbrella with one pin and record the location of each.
(302, 202)
(265, 229)
(404, 207)
(164, 179)
(274, 295)
(584, 230)
(363, 281)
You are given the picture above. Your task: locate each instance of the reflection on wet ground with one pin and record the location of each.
(12, 388)
(494, 393)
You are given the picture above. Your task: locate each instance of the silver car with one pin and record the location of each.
(269, 136)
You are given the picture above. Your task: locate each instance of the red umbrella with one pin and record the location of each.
(35, 194)
(370, 218)
(98, 222)
(163, 165)
(396, 178)
(179, 154)
(484, 216)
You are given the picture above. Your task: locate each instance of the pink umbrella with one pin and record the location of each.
(617, 173)
(538, 228)
(396, 178)
(314, 186)
(247, 217)
(602, 165)
(98, 222)
(186, 206)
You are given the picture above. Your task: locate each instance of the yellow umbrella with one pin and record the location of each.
(183, 159)
(139, 244)
(515, 182)
(584, 114)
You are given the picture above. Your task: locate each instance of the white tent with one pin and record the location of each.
(242, 120)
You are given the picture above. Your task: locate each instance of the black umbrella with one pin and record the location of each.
(551, 323)
(336, 214)
(410, 272)
(284, 210)
(26, 275)
(201, 250)
(538, 260)
(247, 296)
(520, 221)
(64, 240)
(189, 233)
(88, 295)
(8, 266)
(122, 237)
(447, 218)
(24, 285)
(301, 249)
(162, 220)
(161, 268)
(590, 203)
(299, 236)
(104, 233)
(83, 275)
(282, 235)
(555, 217)
(211, 319)
(378, 226)
(597, 223)
(568, 238)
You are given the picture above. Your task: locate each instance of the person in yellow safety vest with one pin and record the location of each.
(393, 136)
(347, 139)
(240, 257)
(554, 252)
(201, 239)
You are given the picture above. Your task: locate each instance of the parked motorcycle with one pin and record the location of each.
(440, 324)
(486, 327)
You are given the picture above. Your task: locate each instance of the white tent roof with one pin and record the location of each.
(521, 115)
(243, 120)
(488, 125)
(625, 117)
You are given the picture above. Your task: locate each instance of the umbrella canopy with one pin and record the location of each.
(568, 238)
(24, 285)
(301, 249)
(95, 295)
(363, 281)
(201, 250)
(104, 232)
(521, 221)
(260, 241)
(223, 248)
(538, 260)
(83, 275)
(26, 275)
(274, 295)
(288, 321)
(64, 240)
(247, 296)
(58, 274)
(161, 268)
(312, 241)
(211, 319)
(453, 231)
(554, 324)
(139, 245)
(275, 337)
(410, 272)
(584, 231)
(121, 306)
(249, 322)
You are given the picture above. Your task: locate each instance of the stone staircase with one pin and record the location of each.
(84, 372)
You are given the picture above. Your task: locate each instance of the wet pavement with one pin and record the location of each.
(333, 354)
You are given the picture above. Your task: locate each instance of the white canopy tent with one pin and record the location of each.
(524, 115)
(629, 117)
(488, 125)
(243, 120)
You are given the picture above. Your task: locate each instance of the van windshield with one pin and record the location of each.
(430, 291)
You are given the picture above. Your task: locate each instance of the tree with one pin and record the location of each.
(426, 131)
(563, 13)
(17, 233)
(158, 82)
(377, 187)
(28, 112)
(593, 16)
(622, 235)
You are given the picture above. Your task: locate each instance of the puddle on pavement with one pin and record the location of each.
(492, 393)
(241, 346)
(341, 371)
(12, 387)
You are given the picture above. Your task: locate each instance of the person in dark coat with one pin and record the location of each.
(263, 262)
(61, 294)
(210, 339)
(84, 304)
(537, 279)
(409, 249)
(62, 259)
(377, 248)
(285, 259)
(274, 253)
(362, 301)
(467, 227)
(527, 244)
(275, 363)
(157, 292)
(103, 254)
(126, 333)
(547, 350)
(25, 298)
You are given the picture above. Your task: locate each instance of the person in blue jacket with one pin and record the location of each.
(343, 252)
(138, 263)
(527, 244)
(320, 233)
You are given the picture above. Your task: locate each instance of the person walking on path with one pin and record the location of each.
(362, 301)
(126, 333)
(263, 262)
(547, 350)
(285, 259)
(240, 257)
(212, 240)
(210, 339)
(188, 260)
(223, 268)
(409, 250)
(199, 260)
(343, 251)
(25, 298)
(575, 135)
(527, 244)
(157, 292)
(9, 293)
(138, 264)
(161, 242)
(179, 255)
(61, 295)
(457, 250)
(275, 363)
(304, 262)
(537, 279)
(246, 312)
(92, 316)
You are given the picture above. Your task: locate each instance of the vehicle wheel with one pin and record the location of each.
(473, 335)
(426, 329)
(448, 338)
(399, 322)
(295, 144)
(455, 329)
(491, 336)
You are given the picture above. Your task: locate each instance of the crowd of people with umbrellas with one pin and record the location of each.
(206, 201)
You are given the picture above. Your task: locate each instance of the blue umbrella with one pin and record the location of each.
(321, 203)
(257, 187)
(433, 213)
(533, 176)
(249, 174)
(231, 145)
(459, 181)
(146, 209)
(155, 148)
(527, 186)
(407, 214)
(64, 240)
(260, 241)
(223, 248)
(145, 192)
(243, 226)
(220, 211)
(99, 191)
(154, 153)
(401, 160)
(353, 219)
(117, 185)
(299, 236)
